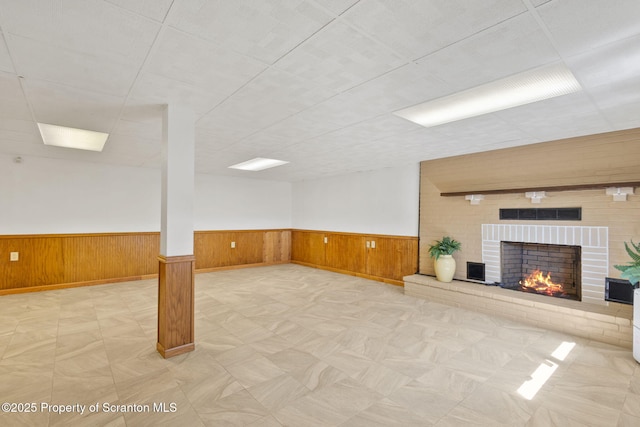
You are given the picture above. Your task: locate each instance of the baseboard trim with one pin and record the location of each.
(240, 266)
(352, 273)
(175, 351)
(75, 284)
(125, 279)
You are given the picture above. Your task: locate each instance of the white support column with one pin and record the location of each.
(178, 137)
(177, 262)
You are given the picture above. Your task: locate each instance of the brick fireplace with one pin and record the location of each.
(587, 282)
(552, 270)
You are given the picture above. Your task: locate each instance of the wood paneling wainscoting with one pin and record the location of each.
(67, 260)
(56, 261)
(379, 257)
(175, 305)
(214, 251)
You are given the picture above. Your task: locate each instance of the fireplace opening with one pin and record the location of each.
(552, 270)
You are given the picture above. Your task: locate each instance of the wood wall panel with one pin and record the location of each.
(346, 252)
(46, 260)
(249, 247)
(57, 261)
(40, 262)
(393, 257)
(98, 257)
(277, 246)
(308, 247)
(212, 249)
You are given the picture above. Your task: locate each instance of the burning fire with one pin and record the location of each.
(538, 282)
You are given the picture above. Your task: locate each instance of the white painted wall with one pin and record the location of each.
(230, 203)
(384, 201)
(48, 196)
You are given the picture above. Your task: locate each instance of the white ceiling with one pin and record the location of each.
(313, 82)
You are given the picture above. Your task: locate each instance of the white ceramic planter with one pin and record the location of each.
(445, 267)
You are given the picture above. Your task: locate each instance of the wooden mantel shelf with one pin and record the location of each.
(544, 188)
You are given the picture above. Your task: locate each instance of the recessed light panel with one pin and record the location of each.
(81, 139)
(258, 164)
(520, 89)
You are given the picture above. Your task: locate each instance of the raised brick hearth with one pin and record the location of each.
(604, 323)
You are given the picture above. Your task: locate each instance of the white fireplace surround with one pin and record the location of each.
(594, 242)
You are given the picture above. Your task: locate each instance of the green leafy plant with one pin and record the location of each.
(446, 246)
(631, 271)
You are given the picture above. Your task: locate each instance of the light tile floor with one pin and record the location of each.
(290, 345)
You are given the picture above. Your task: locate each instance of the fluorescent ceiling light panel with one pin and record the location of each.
(81, 139)
(258, 164)
(520, 89)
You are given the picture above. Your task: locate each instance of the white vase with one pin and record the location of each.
(445, 267)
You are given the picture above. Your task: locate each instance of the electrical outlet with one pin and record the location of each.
(14, 256)
(233, 245)
(368, 244)
(326, 240)
(373, 244)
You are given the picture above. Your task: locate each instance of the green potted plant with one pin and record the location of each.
(443, 262)
(631, 271)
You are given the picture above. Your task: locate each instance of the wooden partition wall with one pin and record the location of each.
(379, 257)
(66, 260)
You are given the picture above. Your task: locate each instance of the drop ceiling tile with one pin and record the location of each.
(150, 131)
(510, 47)
(155, 89)
(206, 65)
(623, 115)
(418, 28)
(22, 145)
(219, 160)
(154, 9)
(471, 135)
(613, 64)
(16, 130)
(66, 106)
(130, 151)
(340, 58)
(558, 117)
(263, 143)
(268, 99)
(299, 127)
(374, 129)
(578, 26)
(336, 7)
(537, 3)
(265, 30)
(5, 60)
(92, 27)
(327, 104)
(36, 60)
(403, 87)
(13, 104)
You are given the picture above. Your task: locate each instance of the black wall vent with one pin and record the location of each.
(543, 214)
(618, 290)
(475, 271)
